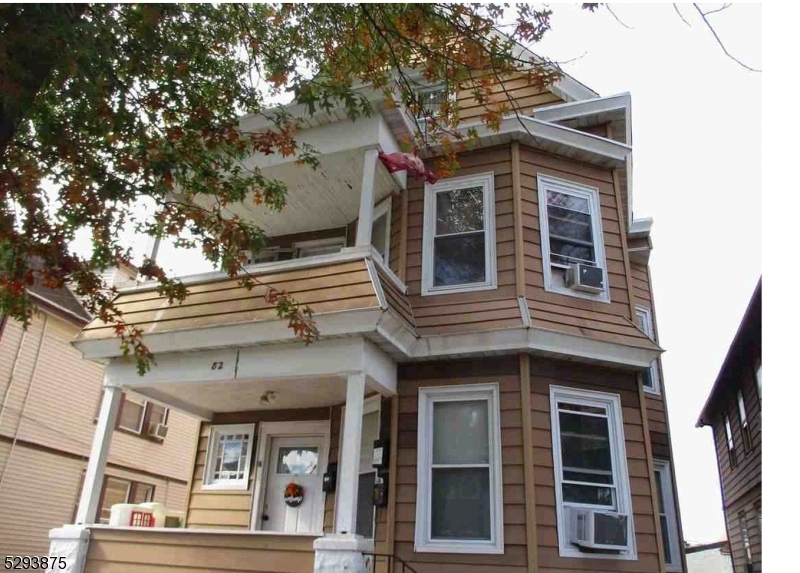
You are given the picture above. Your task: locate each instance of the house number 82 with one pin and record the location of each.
(216, 365)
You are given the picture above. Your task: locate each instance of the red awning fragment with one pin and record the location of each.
(400, 161)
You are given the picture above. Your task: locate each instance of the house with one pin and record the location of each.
(49, 398)
(709, 558)
(733, 411)
(486, 392)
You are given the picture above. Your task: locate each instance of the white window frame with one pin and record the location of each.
(423, 543)
(733, 461)
(384, 208)
(317, 243)
(422, 119)
(619, 463)
(664, 476)
(650, 331)
(545, 183)
(486, 181)
(213, 439)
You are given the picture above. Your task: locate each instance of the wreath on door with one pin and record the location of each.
(293, 494)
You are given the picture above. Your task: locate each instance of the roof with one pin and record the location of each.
(60, 300)
(749, 326)
(721, 545)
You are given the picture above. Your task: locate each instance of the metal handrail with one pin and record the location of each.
(405, 567)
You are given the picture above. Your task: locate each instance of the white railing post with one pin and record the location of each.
(93, 482)
(350, 458)
(367, 205)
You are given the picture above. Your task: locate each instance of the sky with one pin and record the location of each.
(697, 172)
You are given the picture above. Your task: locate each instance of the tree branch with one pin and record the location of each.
(719, 41)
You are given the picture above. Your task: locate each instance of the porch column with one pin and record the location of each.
(93, 483)
(366, 208)
(350, 458)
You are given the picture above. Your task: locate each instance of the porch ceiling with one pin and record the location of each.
(245, 394)
(321, 198)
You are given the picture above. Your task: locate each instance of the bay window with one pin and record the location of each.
(458, 251)
(459, 470)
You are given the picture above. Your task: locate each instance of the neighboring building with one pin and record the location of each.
(49, 397)
(709, 558)
(733, 410)
(507, 405)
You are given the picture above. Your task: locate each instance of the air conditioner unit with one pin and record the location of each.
(596, 529)
(587, 278)
(158, 430)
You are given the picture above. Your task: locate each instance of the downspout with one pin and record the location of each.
(24, 401)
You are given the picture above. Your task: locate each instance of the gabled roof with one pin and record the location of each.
(749, 327)
(62, 301)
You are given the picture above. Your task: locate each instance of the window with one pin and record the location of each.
(746, 439)
(381, 228)
(430, 100)
(729, 440)
(668, 516)
(748, 554)
(458, 237)
(228, 457)
(590, 464)
(572, 232)
(118, 490)
(758, 378)
(131, 414)
(459, 471)
(320, 247)
(139, 416)
(644, 319)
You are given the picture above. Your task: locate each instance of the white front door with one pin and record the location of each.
(297, 460)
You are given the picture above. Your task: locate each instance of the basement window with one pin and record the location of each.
(572, 233)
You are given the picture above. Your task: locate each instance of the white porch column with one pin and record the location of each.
(93, 483)
(350, 457)
(366, 208)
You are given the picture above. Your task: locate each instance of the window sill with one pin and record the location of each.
(652, 391)
(574, 552)
(141, 436)
(461, 547)
(603, 297)
(220, 487)
(433, 291)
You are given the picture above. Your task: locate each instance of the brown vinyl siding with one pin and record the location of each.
(396, 299)
(505, 371)
(747, 504)
(467, 312)
(126, 551)
(545, 372)
(335, 287)
(525, 97)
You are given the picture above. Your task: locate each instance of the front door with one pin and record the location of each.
(294, 460)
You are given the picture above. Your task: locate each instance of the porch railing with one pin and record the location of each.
(394, 564)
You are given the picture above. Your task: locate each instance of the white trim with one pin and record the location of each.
(592, 195)
(611, 403)
(371, 404)
(663, 474)
(486, 182)
(347, 473)
(312, 244)
(384, 208)
(423, 543)
(225, 430)
(524, 311)
(367, 203)
(650, 331)
(269, 430)
(384, 266)
(376, 284)
(594, 106)
(640, 228)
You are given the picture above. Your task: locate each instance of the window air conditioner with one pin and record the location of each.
(158, 430)
(587, 278)
(594, 529)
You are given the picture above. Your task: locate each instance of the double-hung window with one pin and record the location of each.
(572, 233)
(644, 319)
(729, 441)
(667, 515)
(430, 102)
(746, 439)
(131, 414)
(228, 457)
(590, 465)
(459, 470)
(459, 235)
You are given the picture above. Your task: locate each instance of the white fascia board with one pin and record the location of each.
(535, 339)
(575, 109)
(640, 228)
(380, 368)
